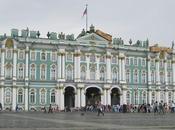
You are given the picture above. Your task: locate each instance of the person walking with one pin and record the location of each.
(0, 107)
(100, 109)
(50, 109)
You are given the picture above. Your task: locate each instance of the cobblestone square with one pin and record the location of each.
(88, 121)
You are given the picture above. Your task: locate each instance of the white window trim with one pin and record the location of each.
(45, 55)
(22, 95)
(67, 54)
(34, 94)
(19, 54)
(23, 70)
(45, 96)
(51, 56)
(45, 71)
(51, 95)
(31, 55)
(11, 53)
(51, 71)
(31, 71)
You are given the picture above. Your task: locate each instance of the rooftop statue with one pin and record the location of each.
(70, 37)
(130, 41)
(61, 36)
(172, 45)
(118, 41)
(38, 34)
(48, 35)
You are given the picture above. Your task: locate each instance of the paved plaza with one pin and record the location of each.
(88, 121)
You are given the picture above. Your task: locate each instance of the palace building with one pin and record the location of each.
(73, 72)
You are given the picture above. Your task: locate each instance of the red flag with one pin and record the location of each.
(85, 12)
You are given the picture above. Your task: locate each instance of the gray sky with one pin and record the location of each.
(135, 19)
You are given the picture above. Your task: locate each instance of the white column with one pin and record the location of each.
(173, 74)
(87, 69)
(149, 71)
(63, 66)
(124, 96)
(157, 72)
(108, 97)
(14, 98)
(108, 65)
(98, 69)
(123, 70)
(61, 99)
(77, 101)
(26, 65)
(165, 71)
(158, 96)
(104, 97)
(14, 63)
(26, 99)
(57, 96)
(149, 96)
(120, 69)
(166, 96)
(2, 96)
(59, 66)
(77, 66)
(2, 63)
(173, 95)
(83, 98)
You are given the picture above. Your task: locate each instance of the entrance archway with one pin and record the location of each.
(69, 97)
(115, 96)
(93, 96)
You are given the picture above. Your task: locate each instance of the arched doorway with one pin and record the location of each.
(115, 96)
(93, 96)
(69, 97)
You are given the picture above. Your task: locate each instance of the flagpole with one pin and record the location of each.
(86, 17)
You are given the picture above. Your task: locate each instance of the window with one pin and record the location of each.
(92, 73)
(83, 58)
(143, 77)
(20, 71)
(7, 95)
(161, 64)
(162, 77)
(20, 96)
(8, 71)
(143, 62)
(69, 72)
(127, 61)
(152, 76)
(69, 57)
(102, 74)
(102, 59)
(144, 97)
(32, 55)
(169, 77)
(83, 73)
(169, 64)
(135, 76)
(114, 75)
(127, 76)
(43, 56)
(52, 96)
(114, 60)
(43, 72)
(135, 61)
(152, 62)
(54, 56)
(32, 96)
(32, 71)
(92, 58)
(53, 72)
(136, 95)
(21, 55)
(128, 97)
(43, 96)
(9, 54)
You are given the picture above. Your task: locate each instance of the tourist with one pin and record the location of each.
(50, 109)
(100, 109)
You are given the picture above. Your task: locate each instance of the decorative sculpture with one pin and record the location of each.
(48, 35)
(38, 34)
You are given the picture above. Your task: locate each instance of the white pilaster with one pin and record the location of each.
(57, 96)
(63, 66)
(27, 64)
(83, 98)
(77, 66)
(149, 71)
(59, 64)
(166, 96)
(173, 74)
(98, 69)
(149, 96)
(26, 99)
(108, 66)
(158, 95)
(104, 97)
(87, 70)
(77, 101)
(2, 63)
(14, 98)
(2, 96)
(124, 96)
(123, 70)
(61, 98)
(120, 69)
(157, 72)
(108, 97)
(165, 71)
(14, 63)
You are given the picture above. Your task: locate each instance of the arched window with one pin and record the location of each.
(52, 98)
(102, 74)
(83, 58)
(7, 95)
(144, 97)
(8, 71)
(127, 76)
(54, 56)
(92, 58)
(43, 96)
(32, 55)
(32, 96)
(152, 76)
(43, 72)
(83, 73)
(114, 75)
(127, 61)
(143, 77)
(102, 59)
(53, 72)
(21, 55)
(32, 71)
(128, 98)
(69, 72)
(9, 54)
(92, 73)
(135, 76)
(43, 56)
(20, 96)
(20, 71)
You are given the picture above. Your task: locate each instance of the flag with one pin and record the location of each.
(85, 12)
